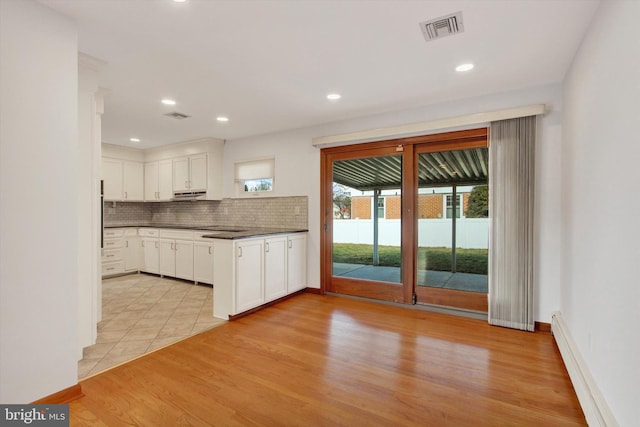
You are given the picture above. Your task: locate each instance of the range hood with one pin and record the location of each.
(189, 196)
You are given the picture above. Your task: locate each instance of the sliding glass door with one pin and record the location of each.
(452, 227)
(406, 220)
(366, 224)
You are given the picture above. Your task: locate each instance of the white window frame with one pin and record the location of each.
(254, 170)
(384, 207)
(444, 205)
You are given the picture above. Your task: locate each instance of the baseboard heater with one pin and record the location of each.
(593, 405)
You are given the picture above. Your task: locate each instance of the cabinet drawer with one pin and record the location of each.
(113, 232)
(176, 234)
(113, 243)
(112, 255)
(112, 268)
(148, 232)
(130, 232)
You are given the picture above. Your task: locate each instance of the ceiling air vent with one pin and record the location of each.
(177, 116)
(442, 27)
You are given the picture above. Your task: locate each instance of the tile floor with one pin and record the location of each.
(141, 313)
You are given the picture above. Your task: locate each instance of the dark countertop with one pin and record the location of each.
(222, 232)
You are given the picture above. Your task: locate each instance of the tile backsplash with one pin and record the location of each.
(276, 212)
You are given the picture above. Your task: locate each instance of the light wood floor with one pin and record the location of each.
(325, 360)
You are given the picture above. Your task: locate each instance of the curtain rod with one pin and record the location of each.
(421, 128)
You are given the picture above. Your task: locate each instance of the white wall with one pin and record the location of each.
(298, 173)
(600, 297)
(38, 201)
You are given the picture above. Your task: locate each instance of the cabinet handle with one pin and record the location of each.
(186, 184)
(125, 195)
(110, 256)
(266, 247)
(209, 250)
(290, 244)
(110, 268)
(126, 243)
(142, 243)
(157, 195)
(156, 245)
(240, 252)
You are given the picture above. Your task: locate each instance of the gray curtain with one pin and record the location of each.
(511, 162)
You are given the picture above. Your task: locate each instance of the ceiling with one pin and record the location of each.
(268, 65)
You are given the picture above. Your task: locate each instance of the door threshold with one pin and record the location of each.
(441, 309)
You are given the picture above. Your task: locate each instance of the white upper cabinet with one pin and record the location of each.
(165, 179)
(112, 177)
(158, 180)
(133, 181)
(190, 173)
(156, 174)
(123, 180)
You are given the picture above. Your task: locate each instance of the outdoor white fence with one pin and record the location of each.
(470, 232)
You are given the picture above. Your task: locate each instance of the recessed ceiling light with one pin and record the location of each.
(168, 101)
(334, 96)
(464, 67)
(134, 139)
(222, 119)
(179, 1)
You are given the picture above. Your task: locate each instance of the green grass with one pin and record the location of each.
(439, 259)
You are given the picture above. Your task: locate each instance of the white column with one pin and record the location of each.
(90, 109)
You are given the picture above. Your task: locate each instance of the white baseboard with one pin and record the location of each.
(593, 405)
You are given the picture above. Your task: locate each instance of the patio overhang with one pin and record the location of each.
(438, 169)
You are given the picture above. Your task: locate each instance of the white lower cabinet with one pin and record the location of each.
(275, 273)
(176, 254)
(121, 252)
(249, 287)
(250, 272)
(184, 259)
(296, 262)
(203, 262)
(131, 250)
(150, 245)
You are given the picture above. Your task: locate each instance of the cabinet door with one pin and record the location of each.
(296, 262)
(184, 259)
(198, 172)
(181, 174)
(275, 260)
(165, 179)
(133, 175)
(150, 255)
(112, 176)
(131, 254)
(249, 267)
(151, 181)
(203, 262)
(167, 258)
